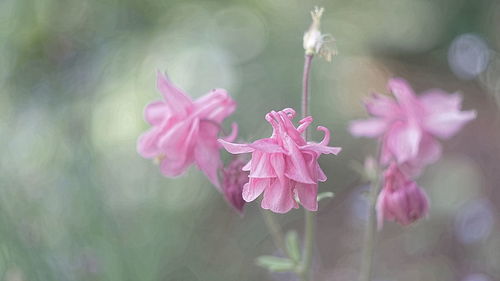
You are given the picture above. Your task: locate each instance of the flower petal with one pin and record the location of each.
(370, 128)
(278, 197)
(178, 148)
(382, 106)
(254, 188)
(235, 148)
(206, 153)
(403, 141)
(404, 94)
(147, 145)
(308, 195)
(177, 101)
(156, 112)
(214, 106)
(267, 145)
(262, 166)
(443, 116)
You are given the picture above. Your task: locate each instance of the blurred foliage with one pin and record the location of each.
(78, 203)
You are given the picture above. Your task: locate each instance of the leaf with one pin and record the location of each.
(324, 195)
(276, 264)
(292, 245)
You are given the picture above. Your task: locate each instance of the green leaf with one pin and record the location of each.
(292, 245)
(324, 195)
(276, 264)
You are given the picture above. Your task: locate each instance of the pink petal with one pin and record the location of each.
(404, 94)
(235, 148)
(304, 123)
(382, 106)
(278, 197)
(308, 195)
(443, 116)
(428, 153)
(321, 175)
(177, 101)
(247, 166)
(370, 128)
(262, 166)
(215, 106)
(254, 188)
(156, 112)
(296, 167)
(234, 133)
(206, 153)
(179, 148)
(147, 144)
(381, 207)
(321, 149)
(403, 141)
(267, 145)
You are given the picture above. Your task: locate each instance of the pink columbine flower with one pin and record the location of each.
(409, 125)
(284, 167)
(185, 131)
(234, 180)
(401, 199)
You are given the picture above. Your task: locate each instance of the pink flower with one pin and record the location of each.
(409, 125)
(284, 167)
(234, 180)
(401, 199)
(185, 131)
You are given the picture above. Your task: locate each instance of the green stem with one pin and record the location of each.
(310, 226)
(274, 230)
(368, 244)
(309, 217)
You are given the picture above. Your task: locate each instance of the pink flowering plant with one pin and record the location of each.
(284, 167)
(408, 129)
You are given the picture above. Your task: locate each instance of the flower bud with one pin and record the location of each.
(401, 199)
(314, 40)
(234, 180)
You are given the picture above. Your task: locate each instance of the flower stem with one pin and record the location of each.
(305, 86)
(275, 230)
(309, 217)
(368, 244)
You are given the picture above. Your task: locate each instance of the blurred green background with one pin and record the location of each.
(78, 203)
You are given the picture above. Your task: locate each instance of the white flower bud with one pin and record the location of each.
(314, 41)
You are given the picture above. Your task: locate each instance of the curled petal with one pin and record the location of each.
(235, 148)
(326, 138)
(234, 133)
(290, 129)
(304, 123)
(289, 112)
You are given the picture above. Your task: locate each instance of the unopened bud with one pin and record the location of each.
(314, 40)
